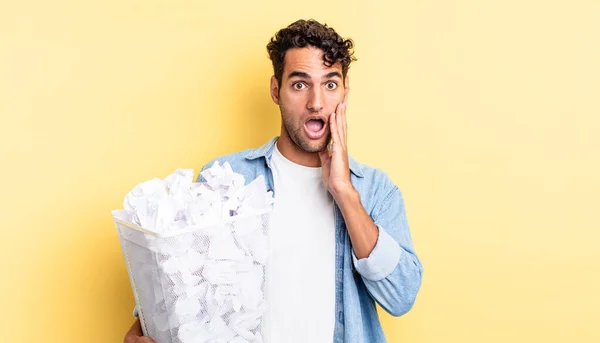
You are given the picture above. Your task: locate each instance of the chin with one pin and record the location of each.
(314, 146)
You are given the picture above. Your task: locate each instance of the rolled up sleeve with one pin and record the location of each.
(383, 259)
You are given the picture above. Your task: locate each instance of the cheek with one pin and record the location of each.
(338, 94)
(289, 98)
(333, 99)
(290, 110)
(292, 103)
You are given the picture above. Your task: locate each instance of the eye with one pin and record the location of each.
(299, 86)
(331, 85)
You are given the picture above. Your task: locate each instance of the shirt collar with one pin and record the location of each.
(267, 151)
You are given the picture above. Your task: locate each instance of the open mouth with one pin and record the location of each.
(315, 128)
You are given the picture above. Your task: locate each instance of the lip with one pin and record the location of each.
(320, 133)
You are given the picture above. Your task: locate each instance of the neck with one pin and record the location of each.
(292, 152)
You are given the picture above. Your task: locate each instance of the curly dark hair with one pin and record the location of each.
(310, 32)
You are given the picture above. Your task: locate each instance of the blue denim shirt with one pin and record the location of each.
(389, 276)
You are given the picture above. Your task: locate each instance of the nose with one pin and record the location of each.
(315, 100)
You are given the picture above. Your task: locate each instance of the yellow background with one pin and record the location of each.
(485, 113)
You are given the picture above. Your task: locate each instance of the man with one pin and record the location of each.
(340, 239)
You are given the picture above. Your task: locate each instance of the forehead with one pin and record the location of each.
(308, 60)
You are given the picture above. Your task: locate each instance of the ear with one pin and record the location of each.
(274, 90)
(346, 88)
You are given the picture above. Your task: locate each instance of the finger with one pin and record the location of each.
(345, 120)
(135, 331)
(338, 134)
(339, 117)
(334, 131)
(342, 125)
(324, 153)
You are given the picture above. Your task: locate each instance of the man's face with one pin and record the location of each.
(309, 92)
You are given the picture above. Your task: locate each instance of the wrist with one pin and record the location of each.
(346, 195)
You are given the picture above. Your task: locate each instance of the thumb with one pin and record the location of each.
(324, 156)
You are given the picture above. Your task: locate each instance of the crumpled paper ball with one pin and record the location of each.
(177, 202)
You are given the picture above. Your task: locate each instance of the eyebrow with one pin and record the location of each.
(333, 74)
(304, 75)
(299, 74)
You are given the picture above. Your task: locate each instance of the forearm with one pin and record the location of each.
(362, 230)
(382, 249)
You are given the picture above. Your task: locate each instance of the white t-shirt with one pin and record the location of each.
(302, 263)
